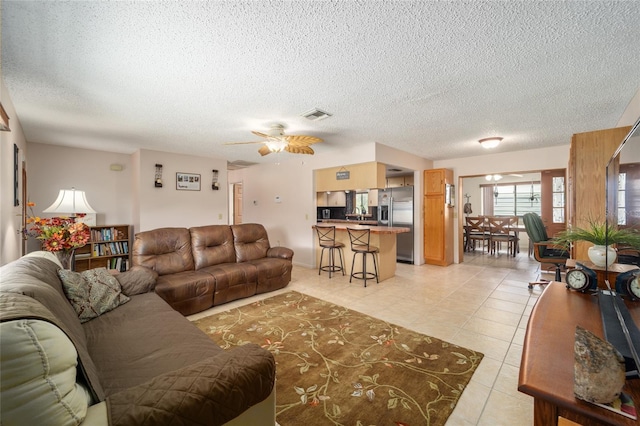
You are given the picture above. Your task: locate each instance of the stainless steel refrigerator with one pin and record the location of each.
(395, 208)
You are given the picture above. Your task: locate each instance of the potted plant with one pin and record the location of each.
(602, 235)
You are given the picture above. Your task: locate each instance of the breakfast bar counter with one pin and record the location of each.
(383, 237)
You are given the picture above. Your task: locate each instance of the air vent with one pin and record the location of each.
(238, 164)
(315, 115)
(394, 170)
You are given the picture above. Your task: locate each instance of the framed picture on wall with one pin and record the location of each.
(449, 195)
(187, 182)
(16, 169)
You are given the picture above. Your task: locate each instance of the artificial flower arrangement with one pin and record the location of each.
(57, 233)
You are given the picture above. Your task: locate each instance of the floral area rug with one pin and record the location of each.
(336, 366)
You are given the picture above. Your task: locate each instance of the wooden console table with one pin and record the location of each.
(546, 368)
(613, 271)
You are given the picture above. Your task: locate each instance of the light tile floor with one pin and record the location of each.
(482, 304)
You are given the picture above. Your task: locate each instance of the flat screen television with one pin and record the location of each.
(623, 211)
(623, 191)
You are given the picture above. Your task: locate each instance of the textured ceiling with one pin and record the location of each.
(430, 78)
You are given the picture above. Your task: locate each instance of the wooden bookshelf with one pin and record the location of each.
(109, 247)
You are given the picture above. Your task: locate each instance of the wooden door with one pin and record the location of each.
(434, 237)
(237, 203)
(553, 188)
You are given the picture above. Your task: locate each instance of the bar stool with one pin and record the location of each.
(327, 240)
(360, 239)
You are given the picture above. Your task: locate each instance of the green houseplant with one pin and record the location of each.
(602, 235)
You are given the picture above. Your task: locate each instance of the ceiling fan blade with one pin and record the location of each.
(299, 149)
(262, 135)
(242, 143)
(302, 140)
(264, 150)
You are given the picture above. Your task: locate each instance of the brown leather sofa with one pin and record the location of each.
(141, 363)
(207, 266)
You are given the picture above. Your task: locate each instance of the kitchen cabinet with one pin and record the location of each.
(434, 181)
(373, 198)
(321, 199)
(353, 176)
(438, 218)
(398, 181)
(337, 199)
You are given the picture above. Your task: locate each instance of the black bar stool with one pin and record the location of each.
(327, 240)
(360, 238)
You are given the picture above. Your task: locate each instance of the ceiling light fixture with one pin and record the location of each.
(489, 143)
(493, 177)
(276, 144)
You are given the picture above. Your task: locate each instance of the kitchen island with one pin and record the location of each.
(383, 237)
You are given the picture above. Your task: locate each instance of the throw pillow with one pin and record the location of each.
(92, 292)
(137, 280)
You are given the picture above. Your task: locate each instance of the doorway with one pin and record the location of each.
(514, 194)
(236, 203)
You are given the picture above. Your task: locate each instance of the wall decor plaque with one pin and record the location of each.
(187, 181)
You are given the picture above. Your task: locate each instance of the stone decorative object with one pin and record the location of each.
(599, 372)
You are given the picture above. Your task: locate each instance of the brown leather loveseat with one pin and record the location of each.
(207, 266)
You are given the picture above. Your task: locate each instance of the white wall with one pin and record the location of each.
(290, 222)
(631, 113)
(168, 207)
(51, 168)
(10, 215)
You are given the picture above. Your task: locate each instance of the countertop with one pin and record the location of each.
(342, 226)
(353, 221)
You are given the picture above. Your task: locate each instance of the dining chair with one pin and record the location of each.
(476, 229)
(360, 239)
(500, 232)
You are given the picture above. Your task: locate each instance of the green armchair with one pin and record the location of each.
(544, 249)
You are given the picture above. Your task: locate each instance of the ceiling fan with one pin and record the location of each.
(277, 141)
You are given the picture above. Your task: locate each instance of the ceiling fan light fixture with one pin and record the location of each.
(489, 143)
(493, 178)
(276, 144)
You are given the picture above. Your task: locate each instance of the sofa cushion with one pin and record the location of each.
(141, 340)
(233, 281)
(250, 240)
(210, 392)
(273, 273)
(38, 376)
(212, 245)
(137, 280)
(187, 292)
(165, 250)
(33, 281)
(92, 292)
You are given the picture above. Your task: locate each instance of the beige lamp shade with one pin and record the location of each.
(70, 201)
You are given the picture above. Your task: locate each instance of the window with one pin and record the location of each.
(622, 185)
(516, 199)
(362, 202)
(557, 186)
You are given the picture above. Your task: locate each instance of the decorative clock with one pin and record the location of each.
(582, 278)
(628, 284)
